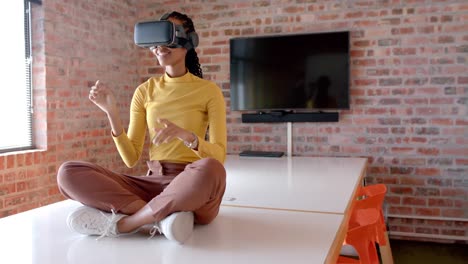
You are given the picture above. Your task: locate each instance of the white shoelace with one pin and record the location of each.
(110, 229)
(155, 229)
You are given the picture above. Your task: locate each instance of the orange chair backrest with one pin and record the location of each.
(361, 236)
(371, 196)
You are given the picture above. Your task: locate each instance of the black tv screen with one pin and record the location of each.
(290, 72)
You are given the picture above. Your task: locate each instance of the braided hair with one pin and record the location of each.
(191, 59)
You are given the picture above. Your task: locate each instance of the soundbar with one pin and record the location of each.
(278, 117)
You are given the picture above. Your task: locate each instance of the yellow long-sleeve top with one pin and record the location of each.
(187, 101)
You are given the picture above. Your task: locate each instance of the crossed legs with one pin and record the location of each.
(199, 188)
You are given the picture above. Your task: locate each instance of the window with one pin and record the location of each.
(15, 67)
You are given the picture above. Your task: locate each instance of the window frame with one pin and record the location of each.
(29, 78)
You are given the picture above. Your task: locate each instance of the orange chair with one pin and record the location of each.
(361, 237)
(372, 196)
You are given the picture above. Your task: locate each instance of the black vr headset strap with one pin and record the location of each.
(165, 16)
(192, 37)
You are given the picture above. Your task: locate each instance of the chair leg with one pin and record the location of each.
(386, 251)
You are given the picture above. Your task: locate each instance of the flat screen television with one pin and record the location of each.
(290, 72)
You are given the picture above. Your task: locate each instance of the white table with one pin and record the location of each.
(319, 184)
(238, 235)
(275, 210)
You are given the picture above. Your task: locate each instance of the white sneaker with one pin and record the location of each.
(176, 227)
(90, 221)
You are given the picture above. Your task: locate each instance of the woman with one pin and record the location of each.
(186, 179)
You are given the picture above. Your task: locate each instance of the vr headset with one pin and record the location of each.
(164, 33)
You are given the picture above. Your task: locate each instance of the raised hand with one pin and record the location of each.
(102, 96)
(167, 131)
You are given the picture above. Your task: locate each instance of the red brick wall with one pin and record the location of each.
(75, 43)
(409, 89)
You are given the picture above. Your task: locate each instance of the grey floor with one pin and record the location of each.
(414, 252)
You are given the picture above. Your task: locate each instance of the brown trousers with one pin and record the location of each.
(167, 187)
